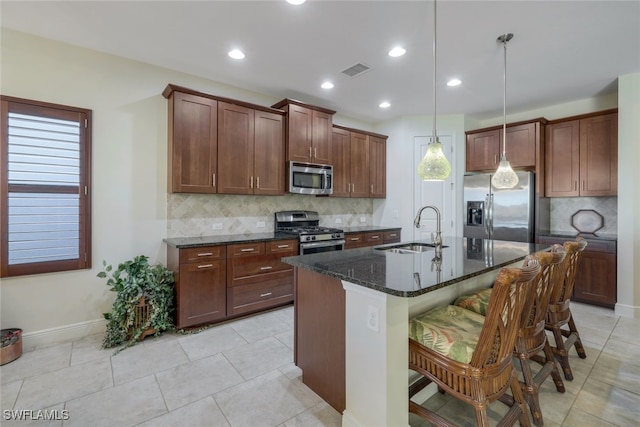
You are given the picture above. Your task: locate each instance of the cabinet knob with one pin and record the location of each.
(213, 184)
(258, 182)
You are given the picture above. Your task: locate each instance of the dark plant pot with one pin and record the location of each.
(11, 345)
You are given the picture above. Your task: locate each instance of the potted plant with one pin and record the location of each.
(143, 304)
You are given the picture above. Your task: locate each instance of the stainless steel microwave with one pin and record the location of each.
(309, 178)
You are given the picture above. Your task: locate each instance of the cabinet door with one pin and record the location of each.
(483, 150)
(192, 144)
(521, 145)
(321, 137)
(299, 122)
(378, 166)
(562, 152)
(269, 153)
(201, 293)
(359, 165)
(340, 149)
(596, 279)
(235, 149)
(599, 156)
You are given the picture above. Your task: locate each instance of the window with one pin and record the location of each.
(45, 221)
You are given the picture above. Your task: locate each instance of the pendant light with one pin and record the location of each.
(434, 166)
(504, 177)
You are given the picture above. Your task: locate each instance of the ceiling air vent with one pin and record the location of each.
(354, 70)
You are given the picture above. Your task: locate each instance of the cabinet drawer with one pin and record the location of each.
(354, 240)
(374, 238)
(259, 296)
(255, 269)
(201, 254)
(391, 236)
(245, 249)
(282, 247)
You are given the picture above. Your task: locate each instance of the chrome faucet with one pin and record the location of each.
(438, 238)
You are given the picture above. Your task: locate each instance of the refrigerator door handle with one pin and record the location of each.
(487, 215)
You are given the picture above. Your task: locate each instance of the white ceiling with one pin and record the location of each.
(562, 50)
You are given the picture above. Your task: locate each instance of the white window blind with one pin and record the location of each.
(44, 194)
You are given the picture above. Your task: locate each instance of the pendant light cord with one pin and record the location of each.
(504, 99)
(434, 71)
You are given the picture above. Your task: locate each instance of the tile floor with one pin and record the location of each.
(241, 374)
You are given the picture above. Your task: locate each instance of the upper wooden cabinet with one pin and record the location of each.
(193, 143)
(523, 149)
(308, 132)
(220, 145)
(359, 163)
(582, 156)
(250, 151)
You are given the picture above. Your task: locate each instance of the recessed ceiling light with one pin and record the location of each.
(236, 54)
(327, 85)
(384, 104)
(296, 2)
(454, 82)
(397, 51)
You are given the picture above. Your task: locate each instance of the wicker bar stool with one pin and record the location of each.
(469, 356)
(531, 338)
(559, 313)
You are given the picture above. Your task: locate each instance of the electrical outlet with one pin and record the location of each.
(373, 318)
(338, 220)
(363, 219)
(260, 224)
(216, 226)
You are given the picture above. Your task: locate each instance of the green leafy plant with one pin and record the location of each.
(132, 280)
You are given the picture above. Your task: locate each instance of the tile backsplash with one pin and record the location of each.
(191, 215)
(563, 208)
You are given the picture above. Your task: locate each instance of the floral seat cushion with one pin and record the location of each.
(450, 330)
(478, 301)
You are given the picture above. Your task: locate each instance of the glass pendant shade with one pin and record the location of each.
(504, 177)
(434, 166)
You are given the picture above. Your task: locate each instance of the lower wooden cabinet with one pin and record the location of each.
(596, 277)
(371, 238)
(200, 284)
(213, 283)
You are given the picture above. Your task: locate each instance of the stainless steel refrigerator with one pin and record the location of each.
(492, 213)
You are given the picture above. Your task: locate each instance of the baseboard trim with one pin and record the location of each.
(61, 334)
(624, 310)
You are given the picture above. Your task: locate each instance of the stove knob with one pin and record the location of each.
(313, 237)
(307, 238)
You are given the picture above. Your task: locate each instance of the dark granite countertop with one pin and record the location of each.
(587, 236)
(366, 228)
(193, 242)
(410, 275)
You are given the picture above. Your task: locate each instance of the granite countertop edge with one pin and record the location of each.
(199, 241)
(587, 236)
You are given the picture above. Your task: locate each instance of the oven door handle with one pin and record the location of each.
(322, 243)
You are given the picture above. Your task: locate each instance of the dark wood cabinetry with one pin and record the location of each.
(250, 151)
(193, 143)
(257, 279)
(200, 284)
(213, 283)
(524, 149)
(220, 145)
(582, 156)
(308, 132)
(359, 163)
(371, 238)
(596, 277)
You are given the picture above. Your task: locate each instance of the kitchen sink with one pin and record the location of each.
(408, 248)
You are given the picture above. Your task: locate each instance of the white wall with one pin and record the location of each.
(129, 173)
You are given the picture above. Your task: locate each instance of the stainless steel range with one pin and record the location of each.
(312, 237)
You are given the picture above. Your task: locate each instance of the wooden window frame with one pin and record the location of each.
(12, 104)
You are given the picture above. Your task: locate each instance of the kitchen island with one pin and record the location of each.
(352, 309)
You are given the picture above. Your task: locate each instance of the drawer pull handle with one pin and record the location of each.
(266, 268)
(205, 266)
(265, 295)
(248, 250)
(375, 237)
(393, 235)
(206, 254)
(282, 246)
(355, 239)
